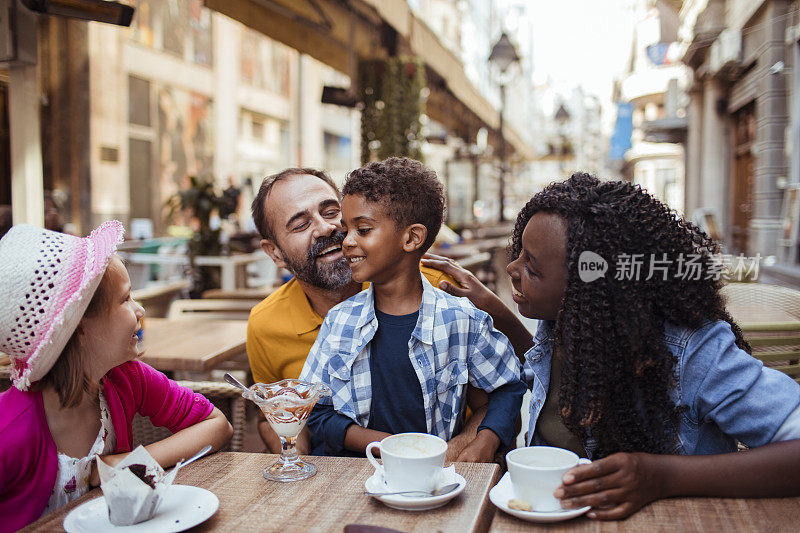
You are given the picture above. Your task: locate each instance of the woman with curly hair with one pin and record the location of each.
(640, 366)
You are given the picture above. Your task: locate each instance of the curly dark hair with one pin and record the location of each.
(618, 372)
(259, 206)
(408, 190)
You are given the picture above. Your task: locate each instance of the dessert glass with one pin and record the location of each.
(286, 405)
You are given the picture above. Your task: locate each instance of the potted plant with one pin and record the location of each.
(201, 203)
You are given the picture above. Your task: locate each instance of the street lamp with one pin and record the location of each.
(503, 55)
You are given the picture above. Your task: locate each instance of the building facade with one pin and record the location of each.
(230, 90)
(189, 91)
(469, 166)
(570, 136)
(652, 90)
(743, 133)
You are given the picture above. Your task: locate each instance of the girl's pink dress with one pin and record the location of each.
(28, 454)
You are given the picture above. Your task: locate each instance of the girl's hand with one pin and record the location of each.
(110, 460)
(615, 486)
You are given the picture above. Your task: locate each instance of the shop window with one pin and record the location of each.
(181, 27)
(140, 170)
(265, 63)
(257, 129)
(138, 101)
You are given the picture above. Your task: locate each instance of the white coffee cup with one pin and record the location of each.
(411, 461)
(536, 473)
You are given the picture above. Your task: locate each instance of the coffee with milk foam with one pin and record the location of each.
(414, 446)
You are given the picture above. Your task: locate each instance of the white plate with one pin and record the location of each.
(375, 483)
(503, 491)
(183, 507)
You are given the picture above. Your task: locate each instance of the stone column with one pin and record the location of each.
(771, 120)
(714, 157)
(794, 171)
(694, 158)
(226, 99)
(27, 199)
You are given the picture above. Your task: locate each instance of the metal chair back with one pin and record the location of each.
(769, 316)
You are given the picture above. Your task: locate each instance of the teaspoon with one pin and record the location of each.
(438, 492)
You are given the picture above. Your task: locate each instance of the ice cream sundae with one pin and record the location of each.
(286, 406)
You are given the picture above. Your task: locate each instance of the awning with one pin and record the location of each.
(322, 29)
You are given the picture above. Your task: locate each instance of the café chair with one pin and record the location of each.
(226, 398)
(769, 316)
(245, 293)
(156, 299)
(232, 309)
(235, 309)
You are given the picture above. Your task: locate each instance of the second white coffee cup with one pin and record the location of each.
(536, 473)
(411, 461)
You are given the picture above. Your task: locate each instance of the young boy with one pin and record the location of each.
(398, 355)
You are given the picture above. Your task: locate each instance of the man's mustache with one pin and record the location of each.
(334, 239)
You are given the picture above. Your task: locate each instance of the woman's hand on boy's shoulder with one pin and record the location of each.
(615, 486)
(468, 285)
(481, 297)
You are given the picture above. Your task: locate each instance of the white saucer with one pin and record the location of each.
(503, 491)
(375, 483)
(183, 507)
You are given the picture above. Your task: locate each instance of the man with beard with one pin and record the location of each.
(298, 215)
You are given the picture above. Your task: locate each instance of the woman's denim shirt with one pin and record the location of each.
(730, 395)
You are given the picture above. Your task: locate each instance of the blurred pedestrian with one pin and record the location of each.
(230, 202)
(52, 213)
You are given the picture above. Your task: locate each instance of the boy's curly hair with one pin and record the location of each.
(408, 190)
(618, 373)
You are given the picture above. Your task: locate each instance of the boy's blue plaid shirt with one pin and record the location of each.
(452, 343)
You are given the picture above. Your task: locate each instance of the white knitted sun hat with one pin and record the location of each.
(47, 280)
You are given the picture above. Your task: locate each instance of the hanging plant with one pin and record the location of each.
(393, 95)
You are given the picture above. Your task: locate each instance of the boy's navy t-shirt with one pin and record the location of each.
(397, 403)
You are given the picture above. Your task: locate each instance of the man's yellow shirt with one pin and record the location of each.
(283, 327)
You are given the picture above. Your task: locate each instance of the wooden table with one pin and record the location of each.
(678, 515)
(230, 265)
(192, 344)
(156, 297)
(325, 502)
(249, 293)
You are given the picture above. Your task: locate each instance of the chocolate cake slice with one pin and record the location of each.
(140, 471)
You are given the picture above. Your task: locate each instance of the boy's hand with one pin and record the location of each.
(481, 449)
(615, 486)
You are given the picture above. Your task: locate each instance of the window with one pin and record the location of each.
(265, 63)
(138, 101)
(181, 27)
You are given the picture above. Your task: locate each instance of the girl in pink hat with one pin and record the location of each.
(69, 324)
